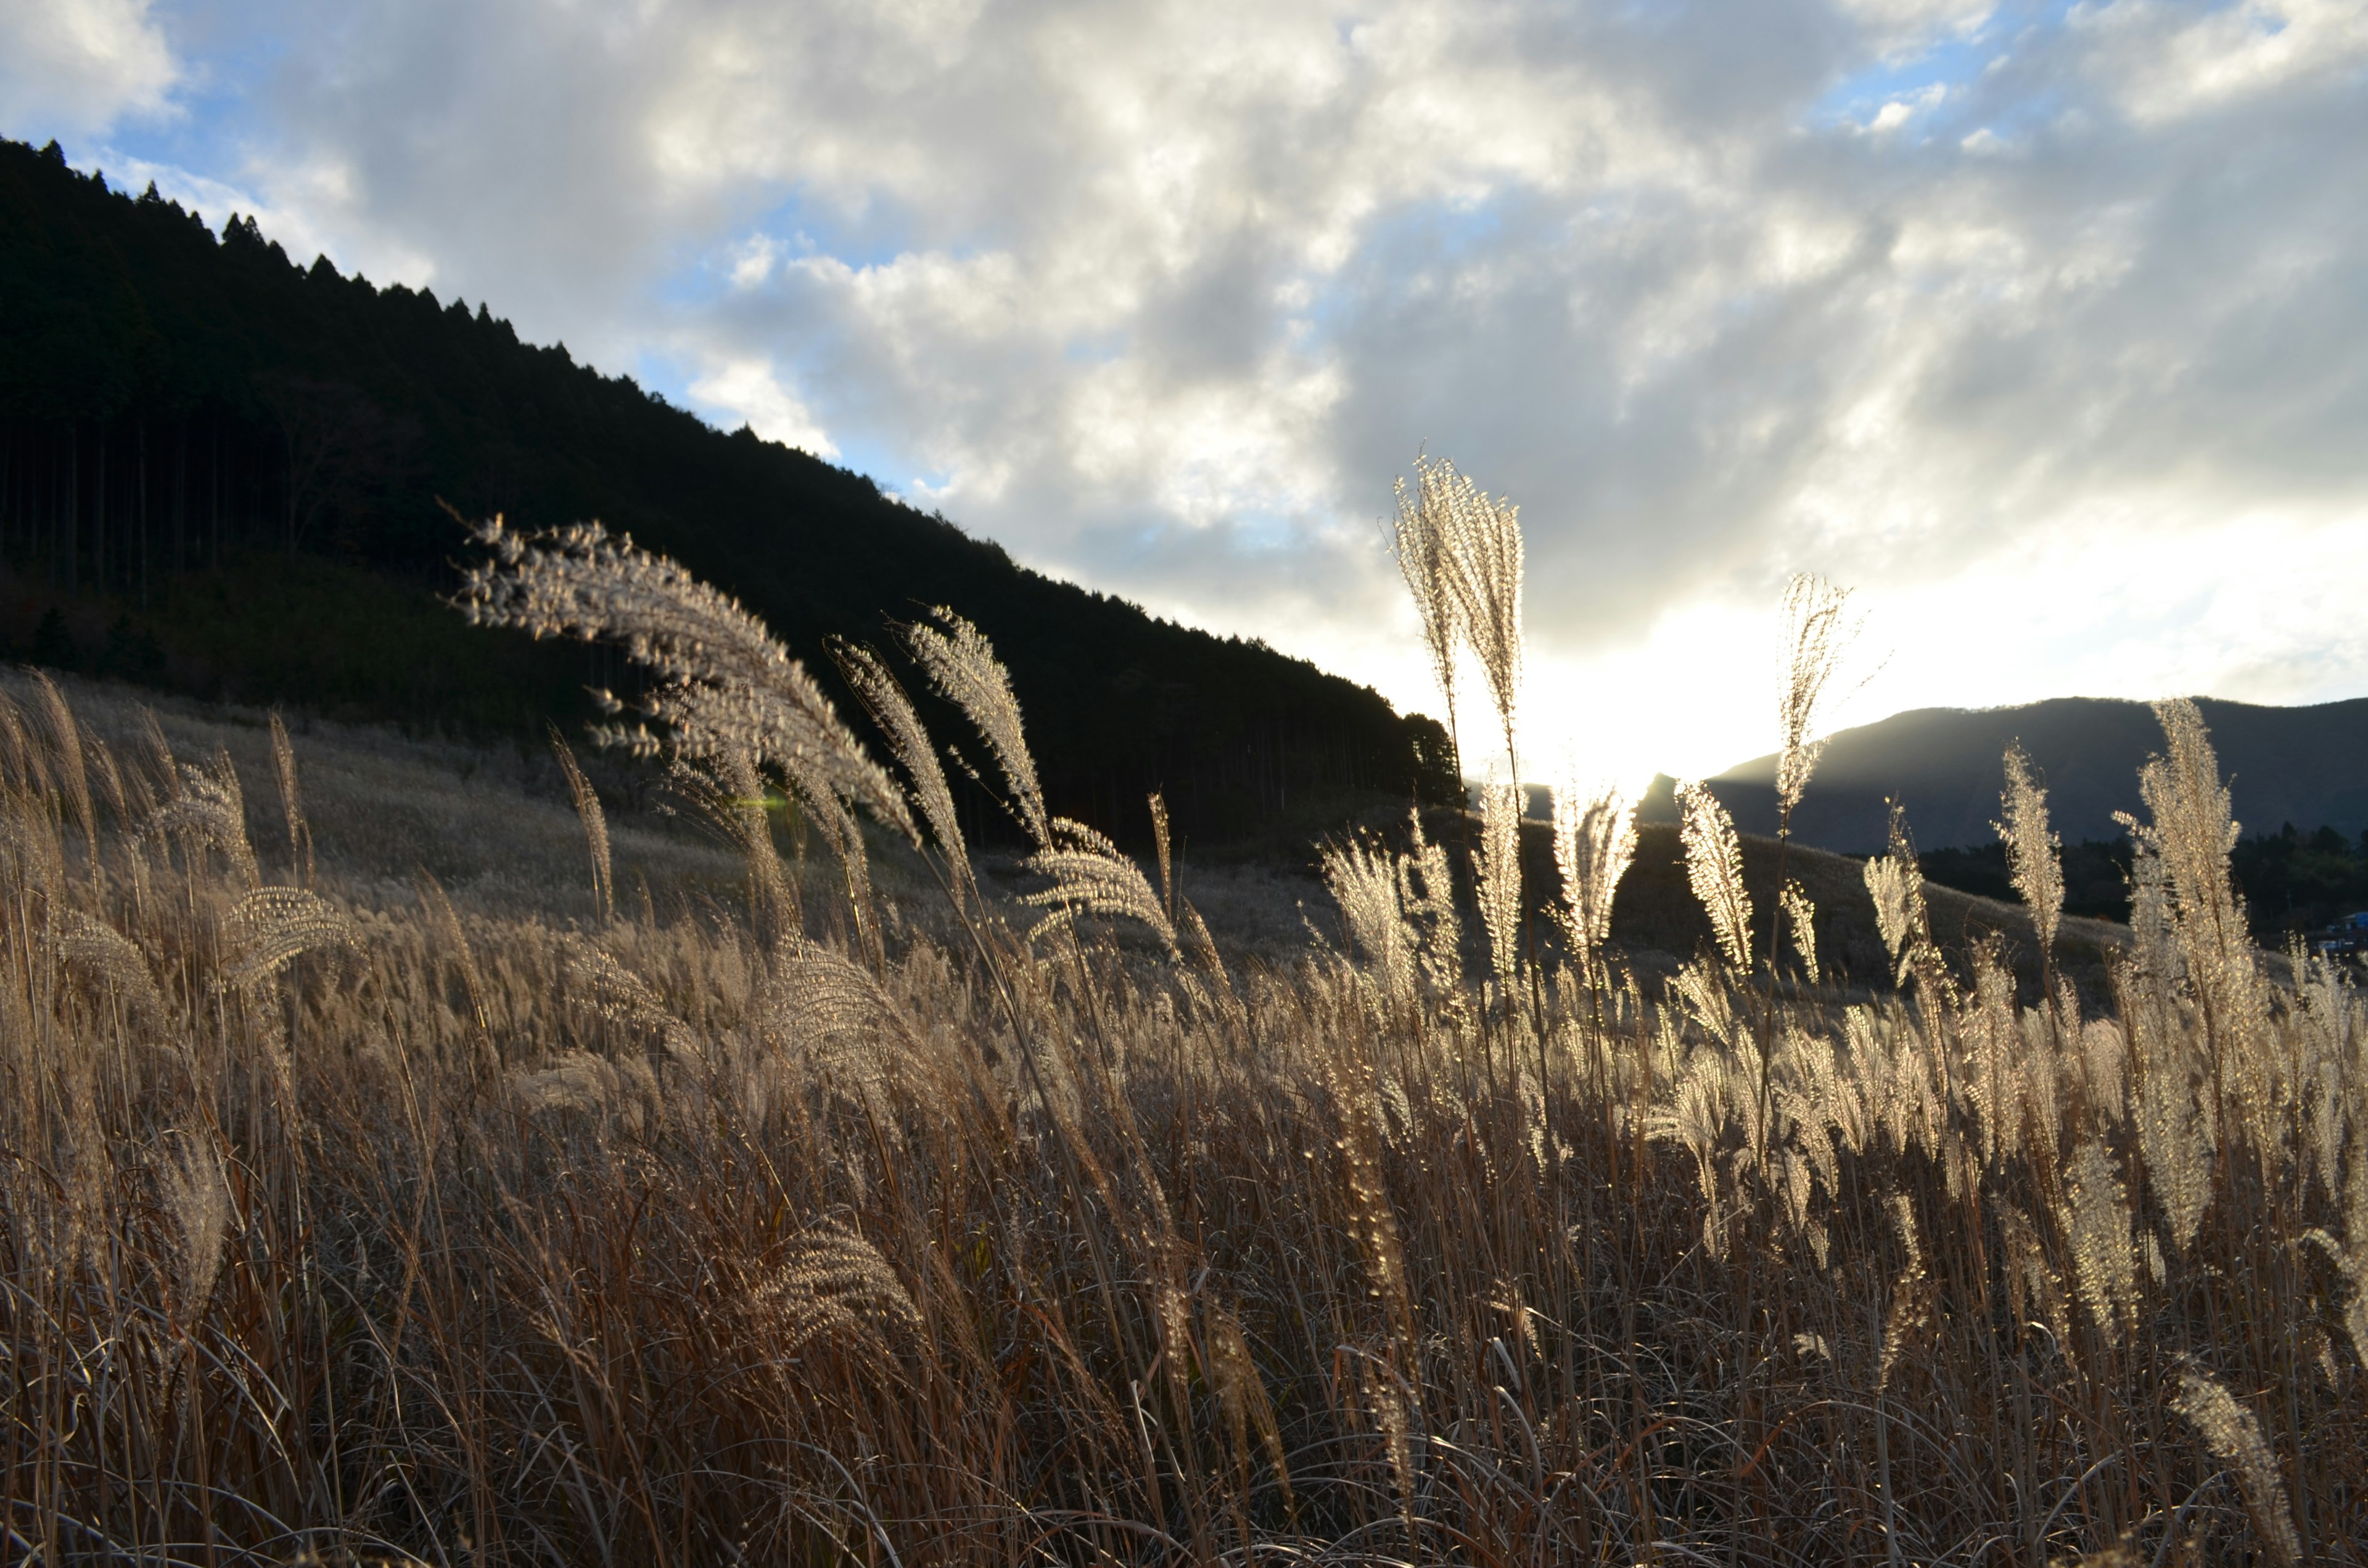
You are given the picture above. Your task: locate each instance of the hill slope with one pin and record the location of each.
(220, 471)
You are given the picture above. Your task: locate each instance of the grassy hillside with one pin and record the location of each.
(208, 454)
(506, 1228)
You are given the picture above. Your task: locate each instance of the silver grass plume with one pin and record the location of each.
(1090, 877)
(962, 666)
(1815, 638)
(2353, 1264)
(597, 980)
(272, 927)
(194, 1196)
(291, 802)
(2032, 850)
(209, 811)
(2191, 835)
(1714, 868)
(2229, 1430)
(825, 996)
(2097, 1224)
(1801, 920)
(833, 1284)
(1500, 880)
(1241, 1394)
(725, 685)
(104, 954)
(1594, 842)
(1426, 524)
(1896, 881)
(596, 824)
(885, 699)
(1426, 897)
(1485, 557)
(575, 1082)
(1158, 803)
(1363, 878)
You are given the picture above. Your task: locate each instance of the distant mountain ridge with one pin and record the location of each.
(2307, 766)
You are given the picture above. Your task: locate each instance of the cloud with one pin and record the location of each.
(747, 389)
(1936, 297)
(71, 67)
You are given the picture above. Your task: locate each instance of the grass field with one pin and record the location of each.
(387, 1178)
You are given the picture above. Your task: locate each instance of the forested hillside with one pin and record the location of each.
(224, 472)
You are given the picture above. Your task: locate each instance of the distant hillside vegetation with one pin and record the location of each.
(2304, 766)
(220, 473)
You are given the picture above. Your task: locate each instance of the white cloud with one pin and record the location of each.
(73, 67)
(1162, 294)
(2163, 62)
(746, 389)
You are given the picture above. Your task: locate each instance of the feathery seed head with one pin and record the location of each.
(962, 666)
(2230, 1431)
(2031, 849)
(1817, 635)
(885, 699)
(1499, 880)
(1714, 868)
(725, 684)
(1594, 841)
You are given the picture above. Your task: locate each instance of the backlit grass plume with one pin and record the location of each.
(1500, 881)
(2032, 850)
(1817, 635)
(1461, 552)
(1594, 841)
(1425, 533)
(1714, 868)
(725, 685)
(1486, 560)
(962, 666)
(892, 711)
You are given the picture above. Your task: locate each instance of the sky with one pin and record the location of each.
(2040, 326)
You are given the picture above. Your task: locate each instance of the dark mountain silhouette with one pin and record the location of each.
(2297, 784)
(2306, 765)
(220, 471)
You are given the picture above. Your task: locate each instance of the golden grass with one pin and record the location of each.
(839, 1220)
